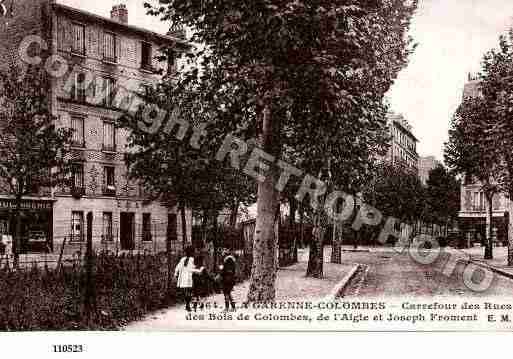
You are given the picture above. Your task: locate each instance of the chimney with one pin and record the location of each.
(119, 13)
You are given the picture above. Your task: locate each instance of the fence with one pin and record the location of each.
(139, 239)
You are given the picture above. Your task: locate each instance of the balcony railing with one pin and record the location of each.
(108, 148)
(112, 60)
(77, 191)
(109, 191)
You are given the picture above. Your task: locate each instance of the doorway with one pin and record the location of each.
(127, 231)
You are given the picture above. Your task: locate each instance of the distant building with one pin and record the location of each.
(473, 205)
(426, 164)
(403, 146)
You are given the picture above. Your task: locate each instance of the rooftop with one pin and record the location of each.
(160, 38)
(402, 123)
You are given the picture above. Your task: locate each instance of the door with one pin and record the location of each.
(127, 229)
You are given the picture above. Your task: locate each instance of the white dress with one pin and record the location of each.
(183, 274)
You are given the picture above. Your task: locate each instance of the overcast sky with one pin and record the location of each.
(452, 35)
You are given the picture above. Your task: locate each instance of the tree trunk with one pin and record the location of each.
(316, 255)
(336, 252)
(263, 271)
(489, 244)
(510, 233)
(301, 225)
(292, 229)
(356, 236)
(184, 225)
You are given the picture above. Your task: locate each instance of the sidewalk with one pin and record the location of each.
(291, 286)
(497, 264)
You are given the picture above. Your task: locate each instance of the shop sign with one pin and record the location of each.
(27, 204)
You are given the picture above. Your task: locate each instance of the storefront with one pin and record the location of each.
(474, 228)
(36, 224)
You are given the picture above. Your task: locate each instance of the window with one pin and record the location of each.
(107, 233)
(77, 227)
(146, 56)
(146, 229)
(78, 43)
(77, 125)
(109, 47)
(78, 92)
(109, 136)
(109, 85)
(109, 188)
(78, 176)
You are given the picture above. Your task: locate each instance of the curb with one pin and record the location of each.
(493, 269)
(339, 288)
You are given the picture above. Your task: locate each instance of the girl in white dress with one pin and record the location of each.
(183, 276)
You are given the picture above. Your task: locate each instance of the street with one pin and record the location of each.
(390, 274)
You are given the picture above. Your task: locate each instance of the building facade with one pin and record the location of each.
(426, 164)
(95, 65)
(474, 207)
(403, 146)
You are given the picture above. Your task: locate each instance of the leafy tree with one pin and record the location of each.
(442, 195)
(470, 152)
(497, 93)
(33, 152)
(302, 76)
(187, 175)
(397, 192)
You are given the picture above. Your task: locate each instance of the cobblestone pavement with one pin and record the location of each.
(391, 274)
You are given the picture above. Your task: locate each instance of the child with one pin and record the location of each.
(200, 283)
(183, 276)
(228, 281)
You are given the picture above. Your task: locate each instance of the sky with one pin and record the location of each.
(452, 37)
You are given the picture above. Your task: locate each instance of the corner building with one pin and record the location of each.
(106, 58)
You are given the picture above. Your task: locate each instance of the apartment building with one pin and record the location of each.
(107, 60)
(403, 146)
(474, 207)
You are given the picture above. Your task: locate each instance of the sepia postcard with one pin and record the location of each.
(263, 165)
